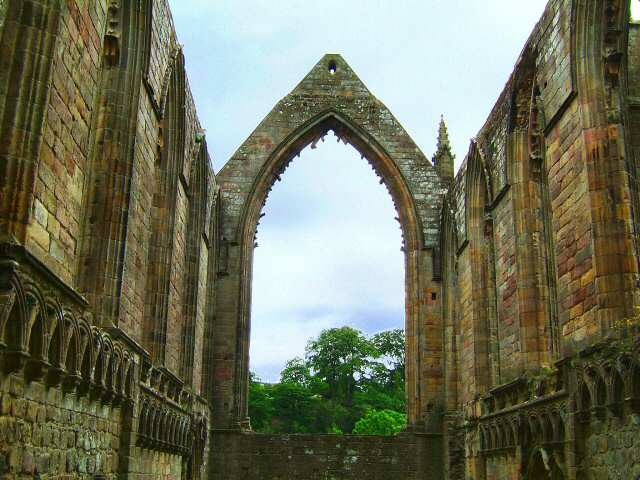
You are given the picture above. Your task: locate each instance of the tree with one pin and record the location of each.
(391, 346)
(340, 356)
(345, 379)
(376, 396)
(381, 422)
(296, 371)
(296, 409)
(261, 408)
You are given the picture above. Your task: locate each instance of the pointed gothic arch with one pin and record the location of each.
(544, 464)
(170, 187)
(451, 327)
(110, 169)
(484, 329)
(56, 338)
(197, 254)
(330, 98)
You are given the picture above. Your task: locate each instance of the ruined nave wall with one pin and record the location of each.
(545, 260)
(543, 205)
(254, 456)
(107, 245)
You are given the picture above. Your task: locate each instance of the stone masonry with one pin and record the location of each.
(125, 262)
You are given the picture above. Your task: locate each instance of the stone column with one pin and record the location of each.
(106, 215)
(610, 219)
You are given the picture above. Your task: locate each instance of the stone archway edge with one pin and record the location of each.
(330, 97)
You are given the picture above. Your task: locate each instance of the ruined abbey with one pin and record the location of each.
(126, 261)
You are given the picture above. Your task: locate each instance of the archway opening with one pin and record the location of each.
(328, 300)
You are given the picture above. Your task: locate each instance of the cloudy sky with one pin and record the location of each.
(329, 247)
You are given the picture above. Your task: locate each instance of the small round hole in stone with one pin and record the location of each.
(332, 67)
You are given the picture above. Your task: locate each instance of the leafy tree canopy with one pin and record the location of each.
(296, 371)
(346, 379)
(340, 357)
(381, 422)
(390, 345)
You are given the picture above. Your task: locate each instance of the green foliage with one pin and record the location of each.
(339, 357)
(261, 406)
(343, 378)
(379, 397)
(297, 409)
(335, 429)
(390, 345)
(296, 371)
(627, 330)
(381, 422)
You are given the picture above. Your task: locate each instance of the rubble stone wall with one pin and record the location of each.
(317, 457)
(611, 448)
(46, 432)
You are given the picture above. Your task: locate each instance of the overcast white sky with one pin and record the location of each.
(329, 247)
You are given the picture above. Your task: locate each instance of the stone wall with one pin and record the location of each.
(154, 465)
(545, 266)
(107, 201)
(48, 433)
(611, 449)
(64, 163)
(319, 457)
